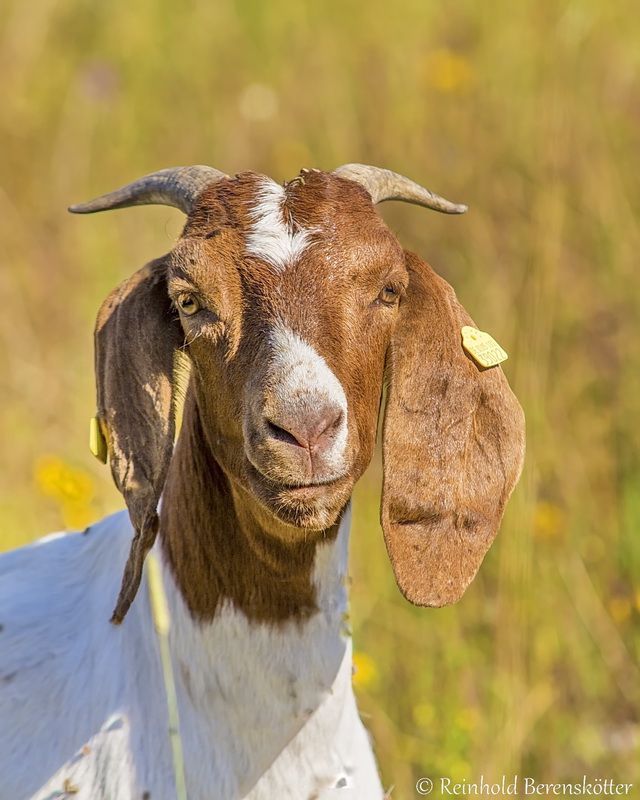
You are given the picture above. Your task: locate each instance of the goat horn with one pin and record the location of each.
(382, 184)
(176, 186)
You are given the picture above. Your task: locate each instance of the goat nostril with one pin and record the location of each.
(312, 431)
(334, 423)
(326, 426)
(283, 434)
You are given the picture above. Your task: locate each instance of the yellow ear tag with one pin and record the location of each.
(482, 347)
(97, 442)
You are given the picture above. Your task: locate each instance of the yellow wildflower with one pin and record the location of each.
(620, 608)
(365, 672)
(448, 72)
(468, 718)
(71, 488)
(548, 521)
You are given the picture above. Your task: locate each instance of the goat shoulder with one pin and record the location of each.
(83, 702)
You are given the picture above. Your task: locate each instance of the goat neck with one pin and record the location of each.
(210, 525)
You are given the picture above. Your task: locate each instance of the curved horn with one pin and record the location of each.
(176, 186)
(382, 184)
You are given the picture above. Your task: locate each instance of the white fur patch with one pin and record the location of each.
(271, 238)
(266, 712)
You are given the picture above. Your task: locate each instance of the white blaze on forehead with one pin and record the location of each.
(272, 238)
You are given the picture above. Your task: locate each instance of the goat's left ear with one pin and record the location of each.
(453, 446)
(136, 337)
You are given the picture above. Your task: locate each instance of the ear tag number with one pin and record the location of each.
(482, 347)
(97, 442)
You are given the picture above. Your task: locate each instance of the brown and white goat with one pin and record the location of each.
(292, 304)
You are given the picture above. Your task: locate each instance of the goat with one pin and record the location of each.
(292, 303)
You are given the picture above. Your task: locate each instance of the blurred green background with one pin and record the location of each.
(530, 113)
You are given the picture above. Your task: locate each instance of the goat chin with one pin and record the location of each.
(314, 507)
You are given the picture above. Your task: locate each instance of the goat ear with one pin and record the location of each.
(453, 446)
(135, 341)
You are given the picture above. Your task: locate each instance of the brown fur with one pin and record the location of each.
(218, 549)
(453, 447)
(453, 435)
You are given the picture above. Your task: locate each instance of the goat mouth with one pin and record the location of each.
(313, 504)
(277, 485)
(295, 487)
(299, 488)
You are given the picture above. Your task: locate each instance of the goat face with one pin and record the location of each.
(291, 302)
(287, 298)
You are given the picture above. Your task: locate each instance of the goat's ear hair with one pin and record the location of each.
(137, 334)
(453, 446)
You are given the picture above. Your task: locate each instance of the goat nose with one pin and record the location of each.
(313, 430)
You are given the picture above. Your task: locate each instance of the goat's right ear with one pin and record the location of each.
(136, 337)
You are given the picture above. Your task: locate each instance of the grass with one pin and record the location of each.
(526, 111)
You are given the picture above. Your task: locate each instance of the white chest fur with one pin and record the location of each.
(265, 712)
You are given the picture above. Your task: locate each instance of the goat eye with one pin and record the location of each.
(388, 295)
(188, 304)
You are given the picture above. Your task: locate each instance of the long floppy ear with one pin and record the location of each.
(453, 446)
(135, 339)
